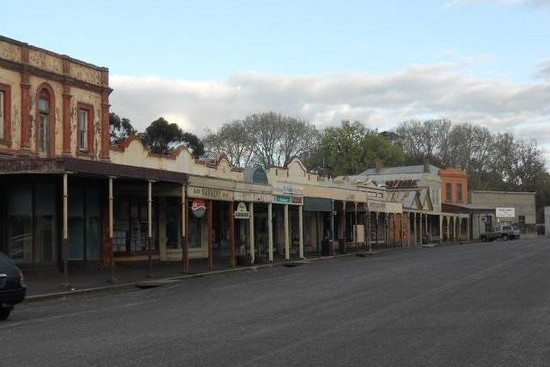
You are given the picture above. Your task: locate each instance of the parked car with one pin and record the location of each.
(515, 232)
(505, 233)
(12, 286)
(510, 232)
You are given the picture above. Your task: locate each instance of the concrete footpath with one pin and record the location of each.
(48, 282)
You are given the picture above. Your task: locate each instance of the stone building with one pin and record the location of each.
(519, 208)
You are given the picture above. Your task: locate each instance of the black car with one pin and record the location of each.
(12, 286)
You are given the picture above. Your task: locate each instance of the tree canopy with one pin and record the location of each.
(162, 137)
(493, 161)
(267, 139)
(120, 128)
(350, 149)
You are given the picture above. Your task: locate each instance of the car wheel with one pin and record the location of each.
(4, 312)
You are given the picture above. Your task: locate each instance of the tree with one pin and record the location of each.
(493, 161)
(350, 149)
(267, 139)
(120, 128)
(233, 141)
(277, 139)
(162, 137)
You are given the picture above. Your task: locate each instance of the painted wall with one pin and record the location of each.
(454, 177)
(28, 69)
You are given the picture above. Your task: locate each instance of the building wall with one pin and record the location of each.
(522, 202)
(458, 181)
(25, 71)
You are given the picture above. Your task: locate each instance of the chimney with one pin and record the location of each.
(379, 165)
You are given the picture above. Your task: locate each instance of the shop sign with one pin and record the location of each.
(284, 199)
(252, 197)
(198, 208)
(210, 193)
(505, 212)
(242, 212)
(288, 190)
(377, 206)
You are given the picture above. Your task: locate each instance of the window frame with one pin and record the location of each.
(5, 113)
(448, 192)
(44, 119)
(89, 140)
(459, 196)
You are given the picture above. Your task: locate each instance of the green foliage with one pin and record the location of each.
(493, 161)
(162, 137)
(351, 149)
(120, 128)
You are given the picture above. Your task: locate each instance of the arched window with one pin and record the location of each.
(44, 118)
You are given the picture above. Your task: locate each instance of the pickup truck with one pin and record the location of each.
(505, 233)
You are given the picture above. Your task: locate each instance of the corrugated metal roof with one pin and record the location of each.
(401, 170)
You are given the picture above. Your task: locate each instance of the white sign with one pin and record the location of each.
(506, 212)
(241, 212)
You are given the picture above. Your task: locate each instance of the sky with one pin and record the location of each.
(203, 63)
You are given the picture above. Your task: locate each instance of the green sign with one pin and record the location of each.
(283, 199)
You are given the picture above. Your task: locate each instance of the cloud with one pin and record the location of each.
(379, 101)
(543, 69)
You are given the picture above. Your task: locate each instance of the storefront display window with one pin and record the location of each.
(173, 224)
(195, 230)
(131, 225)
(46, 231)
(84, 231)
(19, 213)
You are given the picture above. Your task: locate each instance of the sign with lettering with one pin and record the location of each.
(209, 193)
(287, 190)
(253, 197)
(285, 199)
(505, 212)
(242, 212)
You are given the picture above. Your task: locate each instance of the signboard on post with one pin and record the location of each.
(505, 212)
(242, 212)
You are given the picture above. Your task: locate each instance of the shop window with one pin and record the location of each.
(131, 225)
(195, 231)
(76, 223)
(19, 228)
(93, 229)
(173, 220)
(45, 223)
(84, 229)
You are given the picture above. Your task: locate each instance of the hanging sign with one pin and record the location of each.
(241, 212)
(198, 207)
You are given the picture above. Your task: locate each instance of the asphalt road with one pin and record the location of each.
(465, 305)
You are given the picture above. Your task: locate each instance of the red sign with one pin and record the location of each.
(198, 207)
